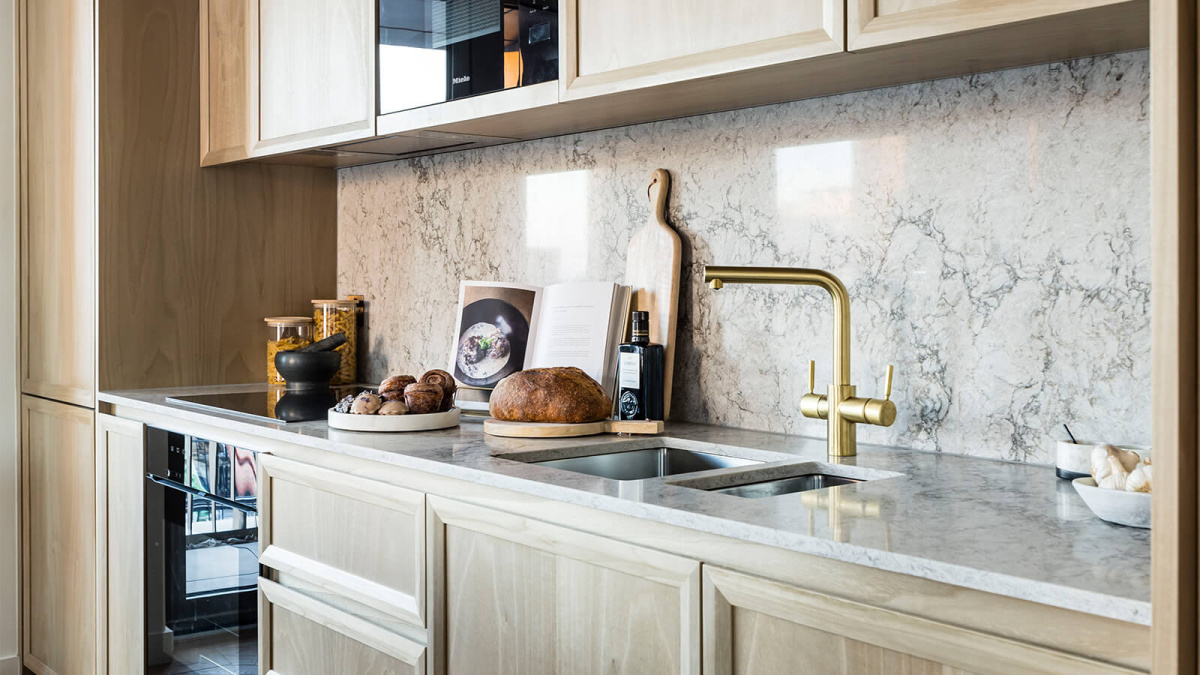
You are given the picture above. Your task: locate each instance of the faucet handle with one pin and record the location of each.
(887, 386)
(811, 404)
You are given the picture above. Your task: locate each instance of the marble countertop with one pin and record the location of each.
(1005, 528)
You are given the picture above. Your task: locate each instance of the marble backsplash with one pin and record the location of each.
(993, 231)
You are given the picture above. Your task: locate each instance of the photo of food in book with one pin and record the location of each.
(493, 332)
(504, 328)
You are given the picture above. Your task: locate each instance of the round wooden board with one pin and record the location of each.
(497, 427)
(394, 423)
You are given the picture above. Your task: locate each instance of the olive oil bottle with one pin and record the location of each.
(640, 374)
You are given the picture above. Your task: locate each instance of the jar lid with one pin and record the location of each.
(288, 320)
(337, 303)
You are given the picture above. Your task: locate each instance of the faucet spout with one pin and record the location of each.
(717, 277)
(839, 406)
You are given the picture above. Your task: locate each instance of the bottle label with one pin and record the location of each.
(630, 371)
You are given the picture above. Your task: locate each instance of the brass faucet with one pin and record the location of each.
(840, 406)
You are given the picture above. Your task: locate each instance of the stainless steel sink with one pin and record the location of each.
(784, 486)
(648, 463)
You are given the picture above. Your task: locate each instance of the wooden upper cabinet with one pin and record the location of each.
(876, 23)
(313, 75)
(58, 201)
(617, 45)
(224, 80)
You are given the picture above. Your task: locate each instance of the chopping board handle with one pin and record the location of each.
(659, 188)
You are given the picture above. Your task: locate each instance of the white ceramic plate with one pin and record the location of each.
(1115, 506)
(394, 423)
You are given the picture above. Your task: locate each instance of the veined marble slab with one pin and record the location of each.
(993, 231)
(1002, 527)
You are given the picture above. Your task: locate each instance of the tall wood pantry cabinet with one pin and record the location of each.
(138, 269)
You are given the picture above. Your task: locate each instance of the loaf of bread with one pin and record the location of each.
(564, 395)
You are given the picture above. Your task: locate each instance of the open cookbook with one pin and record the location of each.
(503, 328)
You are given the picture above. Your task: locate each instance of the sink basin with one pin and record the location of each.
(785, 486)
(648, 463)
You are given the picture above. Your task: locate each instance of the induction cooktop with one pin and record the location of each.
(270, 404)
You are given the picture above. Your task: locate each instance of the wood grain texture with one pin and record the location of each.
(307, 637)
(616, 46)
(652, 267)
(752, 624)
(509, 429)
(120, 533)
(525, 596)
(616, 34)
(58, 538)
(877, 23)
(313, 73)
(307, 513)
(192, 259)
(58, 200)
(1175, 335)
(224, 81)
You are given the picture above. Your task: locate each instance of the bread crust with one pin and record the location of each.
(558, 395)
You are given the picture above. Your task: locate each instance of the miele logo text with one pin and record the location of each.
(460, 80)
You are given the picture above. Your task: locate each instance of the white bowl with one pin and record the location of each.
(394, 423)
(1115, 506)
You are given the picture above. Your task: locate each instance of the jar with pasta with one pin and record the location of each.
(285, 333)
(339, 316)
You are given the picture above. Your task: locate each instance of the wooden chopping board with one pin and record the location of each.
(495, 427)
(652, 264)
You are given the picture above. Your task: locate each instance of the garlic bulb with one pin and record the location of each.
(1111, 466)
(1139, 479)
(1115, 477)
(1127, 460)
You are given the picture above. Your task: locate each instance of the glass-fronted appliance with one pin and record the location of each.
(202, 568)
(431, 51)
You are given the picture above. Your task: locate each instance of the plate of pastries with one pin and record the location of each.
(400, 403)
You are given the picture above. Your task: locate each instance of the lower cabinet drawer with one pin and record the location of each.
(312, 528)
(299, 635)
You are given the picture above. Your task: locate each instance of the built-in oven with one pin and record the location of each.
(431, 51)
(201, 574)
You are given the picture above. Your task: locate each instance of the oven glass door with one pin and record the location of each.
(201, 571)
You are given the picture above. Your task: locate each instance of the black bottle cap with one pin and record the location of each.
(641, 327)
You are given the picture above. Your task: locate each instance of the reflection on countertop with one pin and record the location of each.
(1005, 528)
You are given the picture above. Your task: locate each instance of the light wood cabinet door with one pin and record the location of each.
(753, 625)
(510, 595)
(876, 23)
(313, 74)
(312, 527)
(618, 45)
(58, 498)
(299, 635)
(120, 531)
(224, 81)
(58, 200)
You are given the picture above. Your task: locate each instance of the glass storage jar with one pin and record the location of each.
(285, 333)
(339, 316)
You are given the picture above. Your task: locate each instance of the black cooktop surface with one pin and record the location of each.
(274, 404)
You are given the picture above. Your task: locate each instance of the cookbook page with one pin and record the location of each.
(574, 327)
(492, 337)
